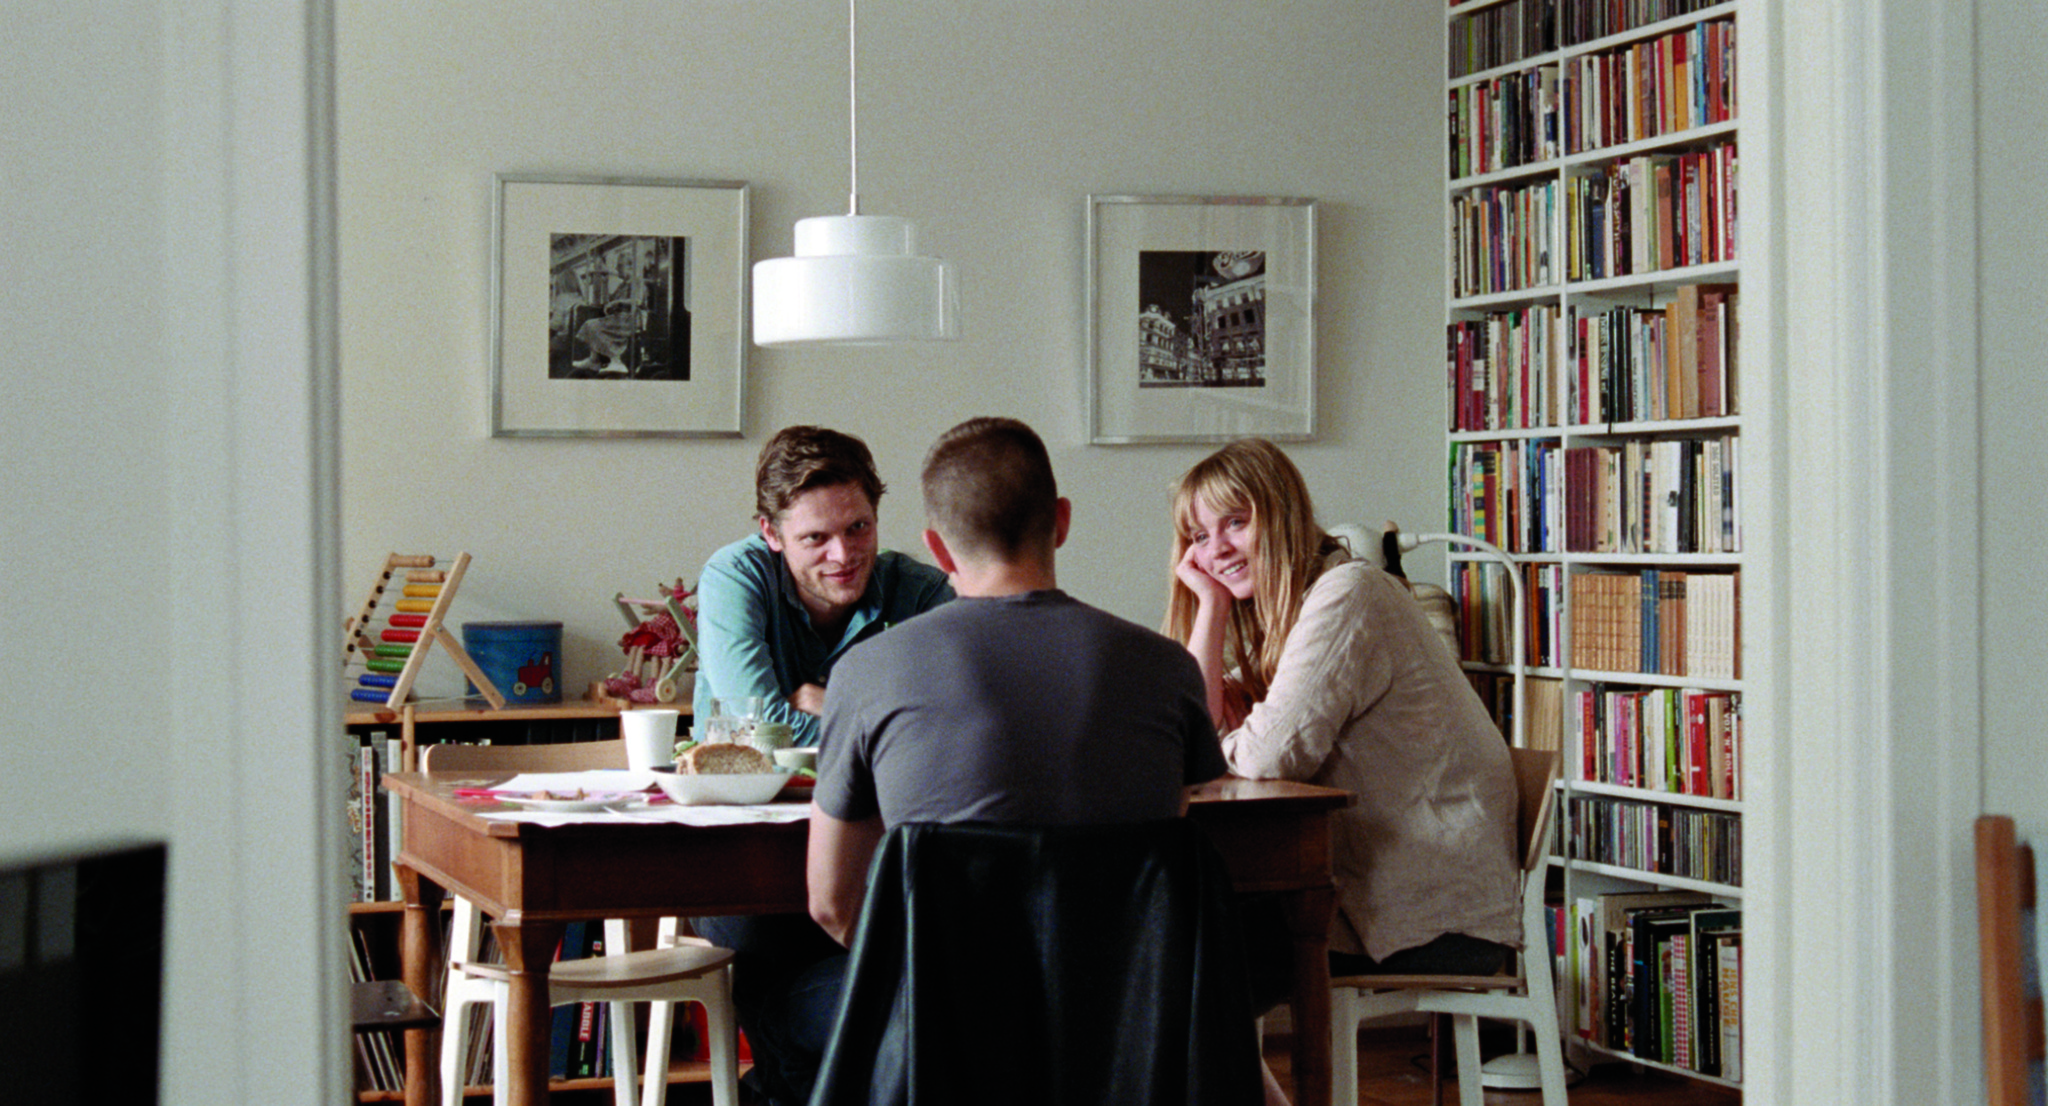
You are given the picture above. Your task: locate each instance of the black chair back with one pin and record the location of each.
(1031, 965)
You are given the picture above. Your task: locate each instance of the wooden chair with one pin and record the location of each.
(1526, 994)
(2013, 1042)
(679, 969)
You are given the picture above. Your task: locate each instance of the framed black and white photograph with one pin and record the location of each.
(1201, 318)
(618, 307)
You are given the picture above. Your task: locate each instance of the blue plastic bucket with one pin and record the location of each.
(523, 659)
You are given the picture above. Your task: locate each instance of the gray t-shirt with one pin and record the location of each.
(1032, 708)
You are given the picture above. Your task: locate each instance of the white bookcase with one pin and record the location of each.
(1595, 426)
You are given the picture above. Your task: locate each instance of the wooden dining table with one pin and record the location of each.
(532, 880)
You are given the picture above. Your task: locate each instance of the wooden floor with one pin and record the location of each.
(1393, 1070)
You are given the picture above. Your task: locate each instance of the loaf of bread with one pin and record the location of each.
(725, 759)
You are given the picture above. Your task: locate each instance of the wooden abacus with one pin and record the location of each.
(391, 659)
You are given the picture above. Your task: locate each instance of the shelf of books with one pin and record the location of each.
(1594, 430)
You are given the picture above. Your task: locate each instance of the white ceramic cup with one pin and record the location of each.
(650, 737)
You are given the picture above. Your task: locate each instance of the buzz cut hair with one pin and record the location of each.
(800, 458)
(989, 489)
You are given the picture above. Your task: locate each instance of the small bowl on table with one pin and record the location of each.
(732, 788)
(797, 756)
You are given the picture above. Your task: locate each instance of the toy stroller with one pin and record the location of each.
(660, 645)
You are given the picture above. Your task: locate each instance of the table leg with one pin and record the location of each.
(529, 948)
(1308, 922)
(421, 961)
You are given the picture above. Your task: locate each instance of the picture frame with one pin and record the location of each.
(1201, 318)
(618, 307)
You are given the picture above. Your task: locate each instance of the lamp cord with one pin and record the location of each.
(853, 106)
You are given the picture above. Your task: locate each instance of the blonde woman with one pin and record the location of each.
(1321, 667)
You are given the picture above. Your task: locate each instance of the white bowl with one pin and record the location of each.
(750, 787)
(797, 756)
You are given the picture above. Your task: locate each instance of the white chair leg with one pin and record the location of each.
(1465, 1030)
(661, 1021)
(465, 937)
(1343, 1046)
(625, 1051)
(1550, 1064)
(459, 1002)
(723, 1027)
(623, 1042)
(454, 1043)
(501, 1031)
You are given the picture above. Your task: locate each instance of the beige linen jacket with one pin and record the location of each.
(1368, 699)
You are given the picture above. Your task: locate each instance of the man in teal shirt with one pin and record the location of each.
(776, 610)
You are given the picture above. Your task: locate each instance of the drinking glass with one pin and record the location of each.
(733, 719)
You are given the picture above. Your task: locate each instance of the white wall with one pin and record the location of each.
(86, 519)
(166, 507)
(2014, 333)
(986, 121)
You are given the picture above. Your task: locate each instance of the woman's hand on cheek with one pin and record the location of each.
(1208, 589)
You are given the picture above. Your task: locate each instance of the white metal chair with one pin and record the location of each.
(678, 969)
(1526, 994)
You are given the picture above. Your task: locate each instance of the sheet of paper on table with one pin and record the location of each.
(620, 779)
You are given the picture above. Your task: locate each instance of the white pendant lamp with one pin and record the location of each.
(856, 279)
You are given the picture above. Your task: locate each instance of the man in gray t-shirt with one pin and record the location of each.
(1014, 703)
(1032, 708)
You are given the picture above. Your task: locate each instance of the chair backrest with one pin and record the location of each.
(1535, 803)
(573, 756)
(1025, 965)
(2013, 1042)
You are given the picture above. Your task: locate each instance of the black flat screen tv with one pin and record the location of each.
(81, 975)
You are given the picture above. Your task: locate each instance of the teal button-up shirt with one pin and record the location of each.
(755, 637)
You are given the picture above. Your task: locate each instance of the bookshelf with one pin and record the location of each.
(1594, 430)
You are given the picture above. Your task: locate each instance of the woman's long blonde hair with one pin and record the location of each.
(1252, 475)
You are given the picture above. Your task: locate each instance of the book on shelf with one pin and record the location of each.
(1587, 1020)
(1501, 369)
(593, 1020)
(1503, 237)
(1728, 992)
(353, 812)
(1501, 34)
(1503, 122)
(1618, 357)
(1684, 741)
(1545, 726)
(1658, 86)
(379, 1053)
(1619, 987)
(366, 784)
(1619, 622)
(1647, 995)
(563, 1038)
(1709, 927)
(1655, 838)
(1619, 213)
(1713, 625)
(391, 837)
(1655, 998)
(1506, 493)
